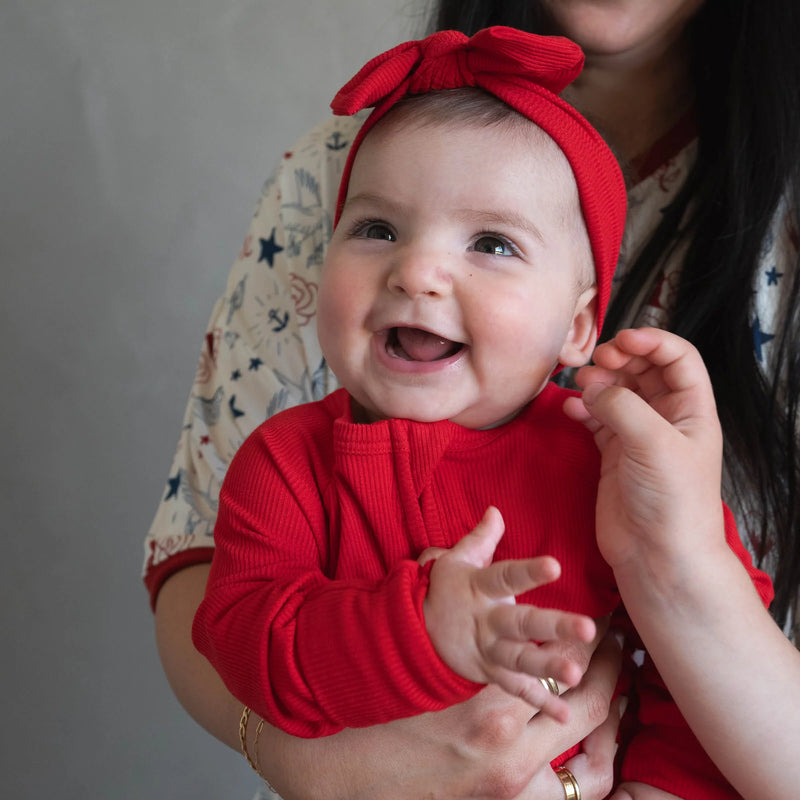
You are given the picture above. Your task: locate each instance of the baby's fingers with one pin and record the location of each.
(525, 623)
(528, 658)
(532, 691)
(478, 546)
(514, 630)
(511, 578)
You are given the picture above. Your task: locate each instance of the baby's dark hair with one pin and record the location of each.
(474, 106)
(466, 105)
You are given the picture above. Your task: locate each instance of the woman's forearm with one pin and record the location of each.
(489, 747)
(732, 672)
(318, 767)
(193, 680)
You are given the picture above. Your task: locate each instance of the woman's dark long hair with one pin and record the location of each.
(746, 69)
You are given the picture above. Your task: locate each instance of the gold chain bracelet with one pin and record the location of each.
(243, 720)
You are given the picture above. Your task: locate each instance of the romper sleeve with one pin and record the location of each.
(773, 302)
(260, 352)
(663, 752)
(309, 653)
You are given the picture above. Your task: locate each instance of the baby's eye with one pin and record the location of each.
(494, 245)
(370, 229)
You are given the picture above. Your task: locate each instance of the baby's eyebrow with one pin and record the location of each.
(381, 201)
(501, 218)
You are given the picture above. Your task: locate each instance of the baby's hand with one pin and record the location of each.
(649, 402)
(479, 630)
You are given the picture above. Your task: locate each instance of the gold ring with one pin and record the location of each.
(550, 684)
(571, 789)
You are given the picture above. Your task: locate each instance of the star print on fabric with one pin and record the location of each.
(236, 374)
(269, 248)
(772, 276)
(232, 406)
(255, 363)
(174, 484)
(760, 338)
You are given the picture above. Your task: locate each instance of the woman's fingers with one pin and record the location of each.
(589, 701)
(593, 768)
(626, 414)
(650, 388)
(649, 360)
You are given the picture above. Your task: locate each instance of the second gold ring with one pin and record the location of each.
(571, 789)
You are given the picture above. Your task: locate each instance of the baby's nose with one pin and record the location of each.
(421, 274)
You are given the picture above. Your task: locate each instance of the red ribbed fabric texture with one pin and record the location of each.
(313, 615)
(525, 71)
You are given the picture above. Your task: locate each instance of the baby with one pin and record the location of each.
(373, 550)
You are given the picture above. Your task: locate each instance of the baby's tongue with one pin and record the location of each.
(423, 346)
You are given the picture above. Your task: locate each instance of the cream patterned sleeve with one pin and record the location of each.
(260, 352)
(772, 304)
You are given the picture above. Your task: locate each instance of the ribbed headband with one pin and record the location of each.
(526, 72)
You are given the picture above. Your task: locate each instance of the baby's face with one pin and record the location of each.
(459, 274)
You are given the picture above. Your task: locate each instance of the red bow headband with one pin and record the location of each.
(526, 72)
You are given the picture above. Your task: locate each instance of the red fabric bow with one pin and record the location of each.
(525, 71)
(492, 58)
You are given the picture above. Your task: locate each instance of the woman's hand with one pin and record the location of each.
(649, 402)
(489, 747)
(660, 525)
(592, 768)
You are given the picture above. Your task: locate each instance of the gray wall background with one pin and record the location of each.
(134, 139)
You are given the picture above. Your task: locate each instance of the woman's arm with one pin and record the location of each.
(733, 674)
(197, 686)
(489, 747)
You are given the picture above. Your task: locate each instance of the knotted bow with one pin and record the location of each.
(526, 72)
(491, 59)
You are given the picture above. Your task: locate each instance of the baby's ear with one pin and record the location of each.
(582, 336)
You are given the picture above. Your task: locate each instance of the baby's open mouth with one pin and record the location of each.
(414, 344)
